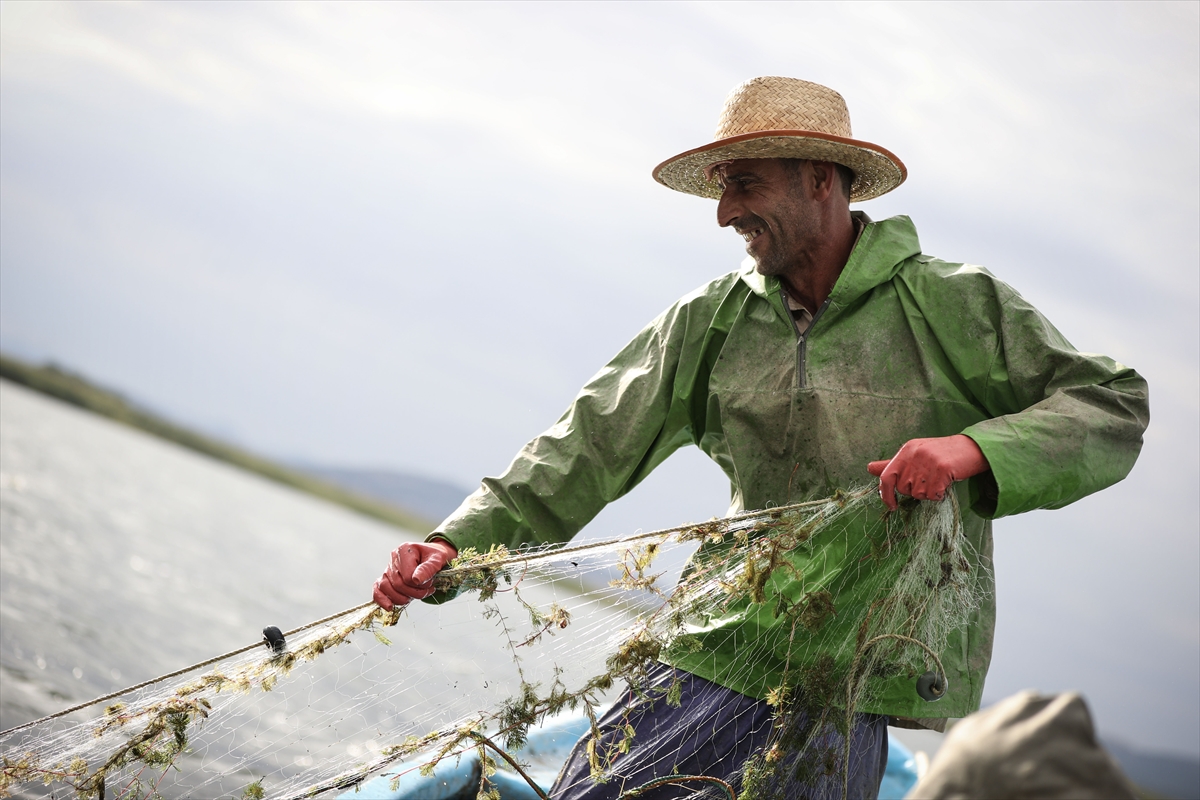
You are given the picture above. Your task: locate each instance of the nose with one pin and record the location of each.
(728, 209)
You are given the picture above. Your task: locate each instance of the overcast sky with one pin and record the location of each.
(403, 235)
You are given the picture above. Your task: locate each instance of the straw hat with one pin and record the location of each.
(785, 118)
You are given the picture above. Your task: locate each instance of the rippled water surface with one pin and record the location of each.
(123, 557)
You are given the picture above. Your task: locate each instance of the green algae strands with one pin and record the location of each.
(71, 388)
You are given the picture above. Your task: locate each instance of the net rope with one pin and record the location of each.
(553, 629)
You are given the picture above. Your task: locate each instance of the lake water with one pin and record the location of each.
(123, 557)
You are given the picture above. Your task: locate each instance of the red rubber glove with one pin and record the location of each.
(410, 575)
(925, 468)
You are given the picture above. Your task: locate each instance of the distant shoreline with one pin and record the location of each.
(72, 388)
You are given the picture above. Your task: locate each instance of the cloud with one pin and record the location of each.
(405, 233)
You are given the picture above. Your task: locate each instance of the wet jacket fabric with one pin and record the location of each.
(906, 346)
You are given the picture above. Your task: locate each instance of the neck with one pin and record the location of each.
(814, 274)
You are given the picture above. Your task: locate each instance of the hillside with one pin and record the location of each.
(428, 497)
(78, 391)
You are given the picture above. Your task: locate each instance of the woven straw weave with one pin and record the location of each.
(782, 104)
(772, 117)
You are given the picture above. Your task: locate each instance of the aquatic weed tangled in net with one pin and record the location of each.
(880, 605)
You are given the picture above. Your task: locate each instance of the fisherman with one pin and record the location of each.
(837, 350)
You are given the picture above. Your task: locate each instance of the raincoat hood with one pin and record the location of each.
(878, 255)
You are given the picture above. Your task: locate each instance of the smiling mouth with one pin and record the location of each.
(751, 234)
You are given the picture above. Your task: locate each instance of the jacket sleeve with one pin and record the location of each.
(623, 424)
(1064, 423)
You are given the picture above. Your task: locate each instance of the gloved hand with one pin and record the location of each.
(410, 575)
(925, 468)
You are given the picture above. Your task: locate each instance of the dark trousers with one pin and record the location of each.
(712, 732)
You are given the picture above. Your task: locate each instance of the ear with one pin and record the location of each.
(825, 180)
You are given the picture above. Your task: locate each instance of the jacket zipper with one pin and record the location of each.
(802, 339)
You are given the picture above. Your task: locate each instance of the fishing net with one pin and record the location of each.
(553, 629)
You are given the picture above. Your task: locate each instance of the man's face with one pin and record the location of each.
(763, 199)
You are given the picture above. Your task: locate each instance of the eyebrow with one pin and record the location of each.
(740, 175)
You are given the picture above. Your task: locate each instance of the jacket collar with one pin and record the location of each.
(881, 249)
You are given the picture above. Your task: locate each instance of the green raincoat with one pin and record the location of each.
(905, 347)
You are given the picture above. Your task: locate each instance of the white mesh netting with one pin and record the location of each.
(553, 628)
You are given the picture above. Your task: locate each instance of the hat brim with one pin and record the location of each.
(876, 170)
